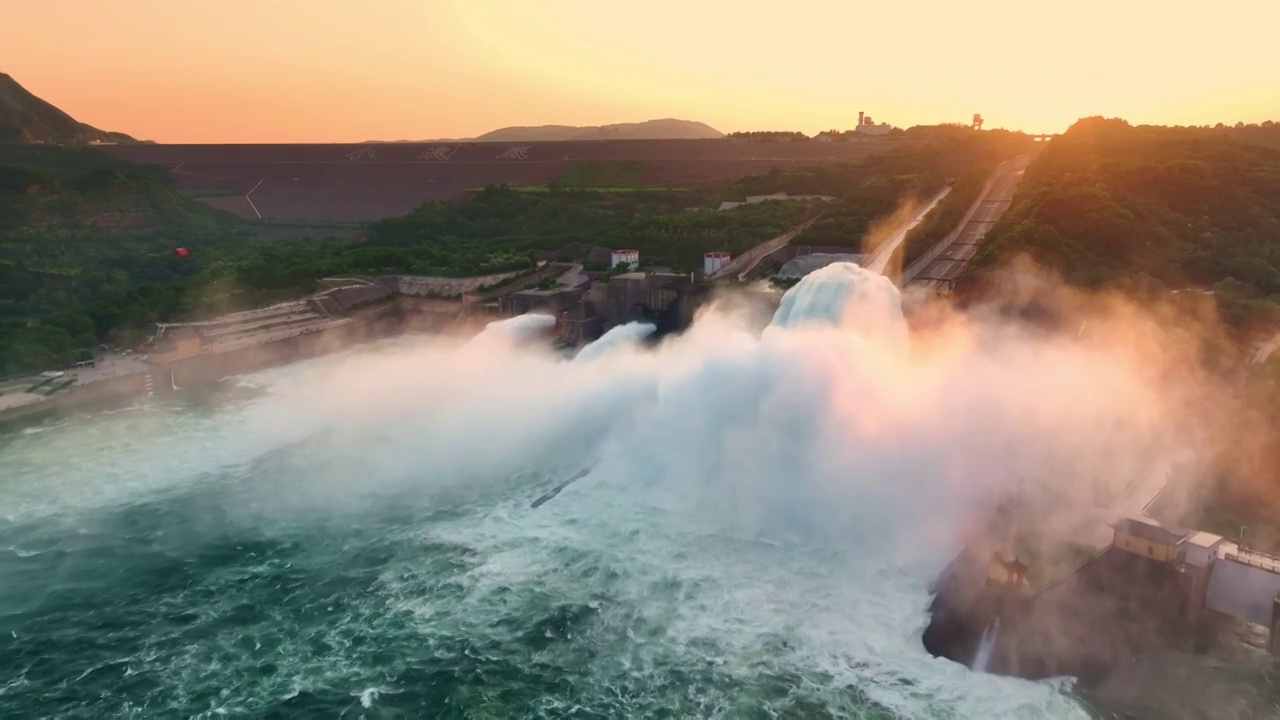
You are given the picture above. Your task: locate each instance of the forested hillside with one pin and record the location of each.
(87, 249)
(875, 187)
(1112, 204)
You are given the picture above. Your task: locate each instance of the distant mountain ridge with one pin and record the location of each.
(26, 119)
(663, 129)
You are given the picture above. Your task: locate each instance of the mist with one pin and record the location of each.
(834, 423)
(854, 446)
(828, 425)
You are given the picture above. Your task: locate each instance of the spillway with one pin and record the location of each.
(755, 538)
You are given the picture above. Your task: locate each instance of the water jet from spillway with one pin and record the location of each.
(756, 535)
(850, 297)
(986, 647)
(626, 335)
(517, 329)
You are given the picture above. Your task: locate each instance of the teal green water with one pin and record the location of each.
(241, 558)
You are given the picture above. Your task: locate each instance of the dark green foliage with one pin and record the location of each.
(1107, 203)
(67, 281)
(87, 254)
(501, 224)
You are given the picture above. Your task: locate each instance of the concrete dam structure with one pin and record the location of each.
(1153, 589)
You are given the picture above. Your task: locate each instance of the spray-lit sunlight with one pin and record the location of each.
(770, 499)
(337, 71)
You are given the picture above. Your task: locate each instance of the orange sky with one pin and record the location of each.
(352, 70)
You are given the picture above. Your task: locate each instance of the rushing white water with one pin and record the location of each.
(759, 530)
(880, 258)
(986, 646)
(622, 336)
(514, 329)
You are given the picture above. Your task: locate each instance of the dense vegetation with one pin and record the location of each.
(875, 187)
(1152, 209)
(87, 253)
(1164, 208)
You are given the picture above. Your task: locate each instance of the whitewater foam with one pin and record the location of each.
(623, 336)
(764, 517)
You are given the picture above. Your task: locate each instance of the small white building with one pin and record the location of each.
(713, 261)
(629, 257)
(1200, 549)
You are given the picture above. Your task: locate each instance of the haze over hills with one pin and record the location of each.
(25, 118)
(663, 129)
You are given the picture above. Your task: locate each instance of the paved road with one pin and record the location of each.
(939, 268)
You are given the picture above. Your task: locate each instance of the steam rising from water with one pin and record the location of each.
(764, 517)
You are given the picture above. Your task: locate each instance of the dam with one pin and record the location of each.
(357, 536)
(1152, 589)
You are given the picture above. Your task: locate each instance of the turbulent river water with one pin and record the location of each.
(352, 536)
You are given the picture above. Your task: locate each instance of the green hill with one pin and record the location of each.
(46, 188)
(1110, 204)
(25, 118)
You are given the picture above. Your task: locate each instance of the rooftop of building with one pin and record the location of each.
(1202, 539)
(1149, 529)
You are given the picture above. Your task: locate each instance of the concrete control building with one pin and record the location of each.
(1147, 538)
(713, 261)
(1217, 575)
(628, 257)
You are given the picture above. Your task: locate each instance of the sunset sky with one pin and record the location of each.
(353, 70)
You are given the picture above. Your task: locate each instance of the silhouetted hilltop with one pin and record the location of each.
(25, 119)
(665, 129)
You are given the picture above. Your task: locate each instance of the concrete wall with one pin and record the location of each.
(443, 286)
(1242, 591)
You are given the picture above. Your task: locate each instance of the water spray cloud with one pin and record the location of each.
(828, 432)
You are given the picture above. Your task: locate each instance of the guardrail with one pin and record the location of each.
(747, 261)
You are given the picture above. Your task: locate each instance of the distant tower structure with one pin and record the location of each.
(867, 126)
(977, 121)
